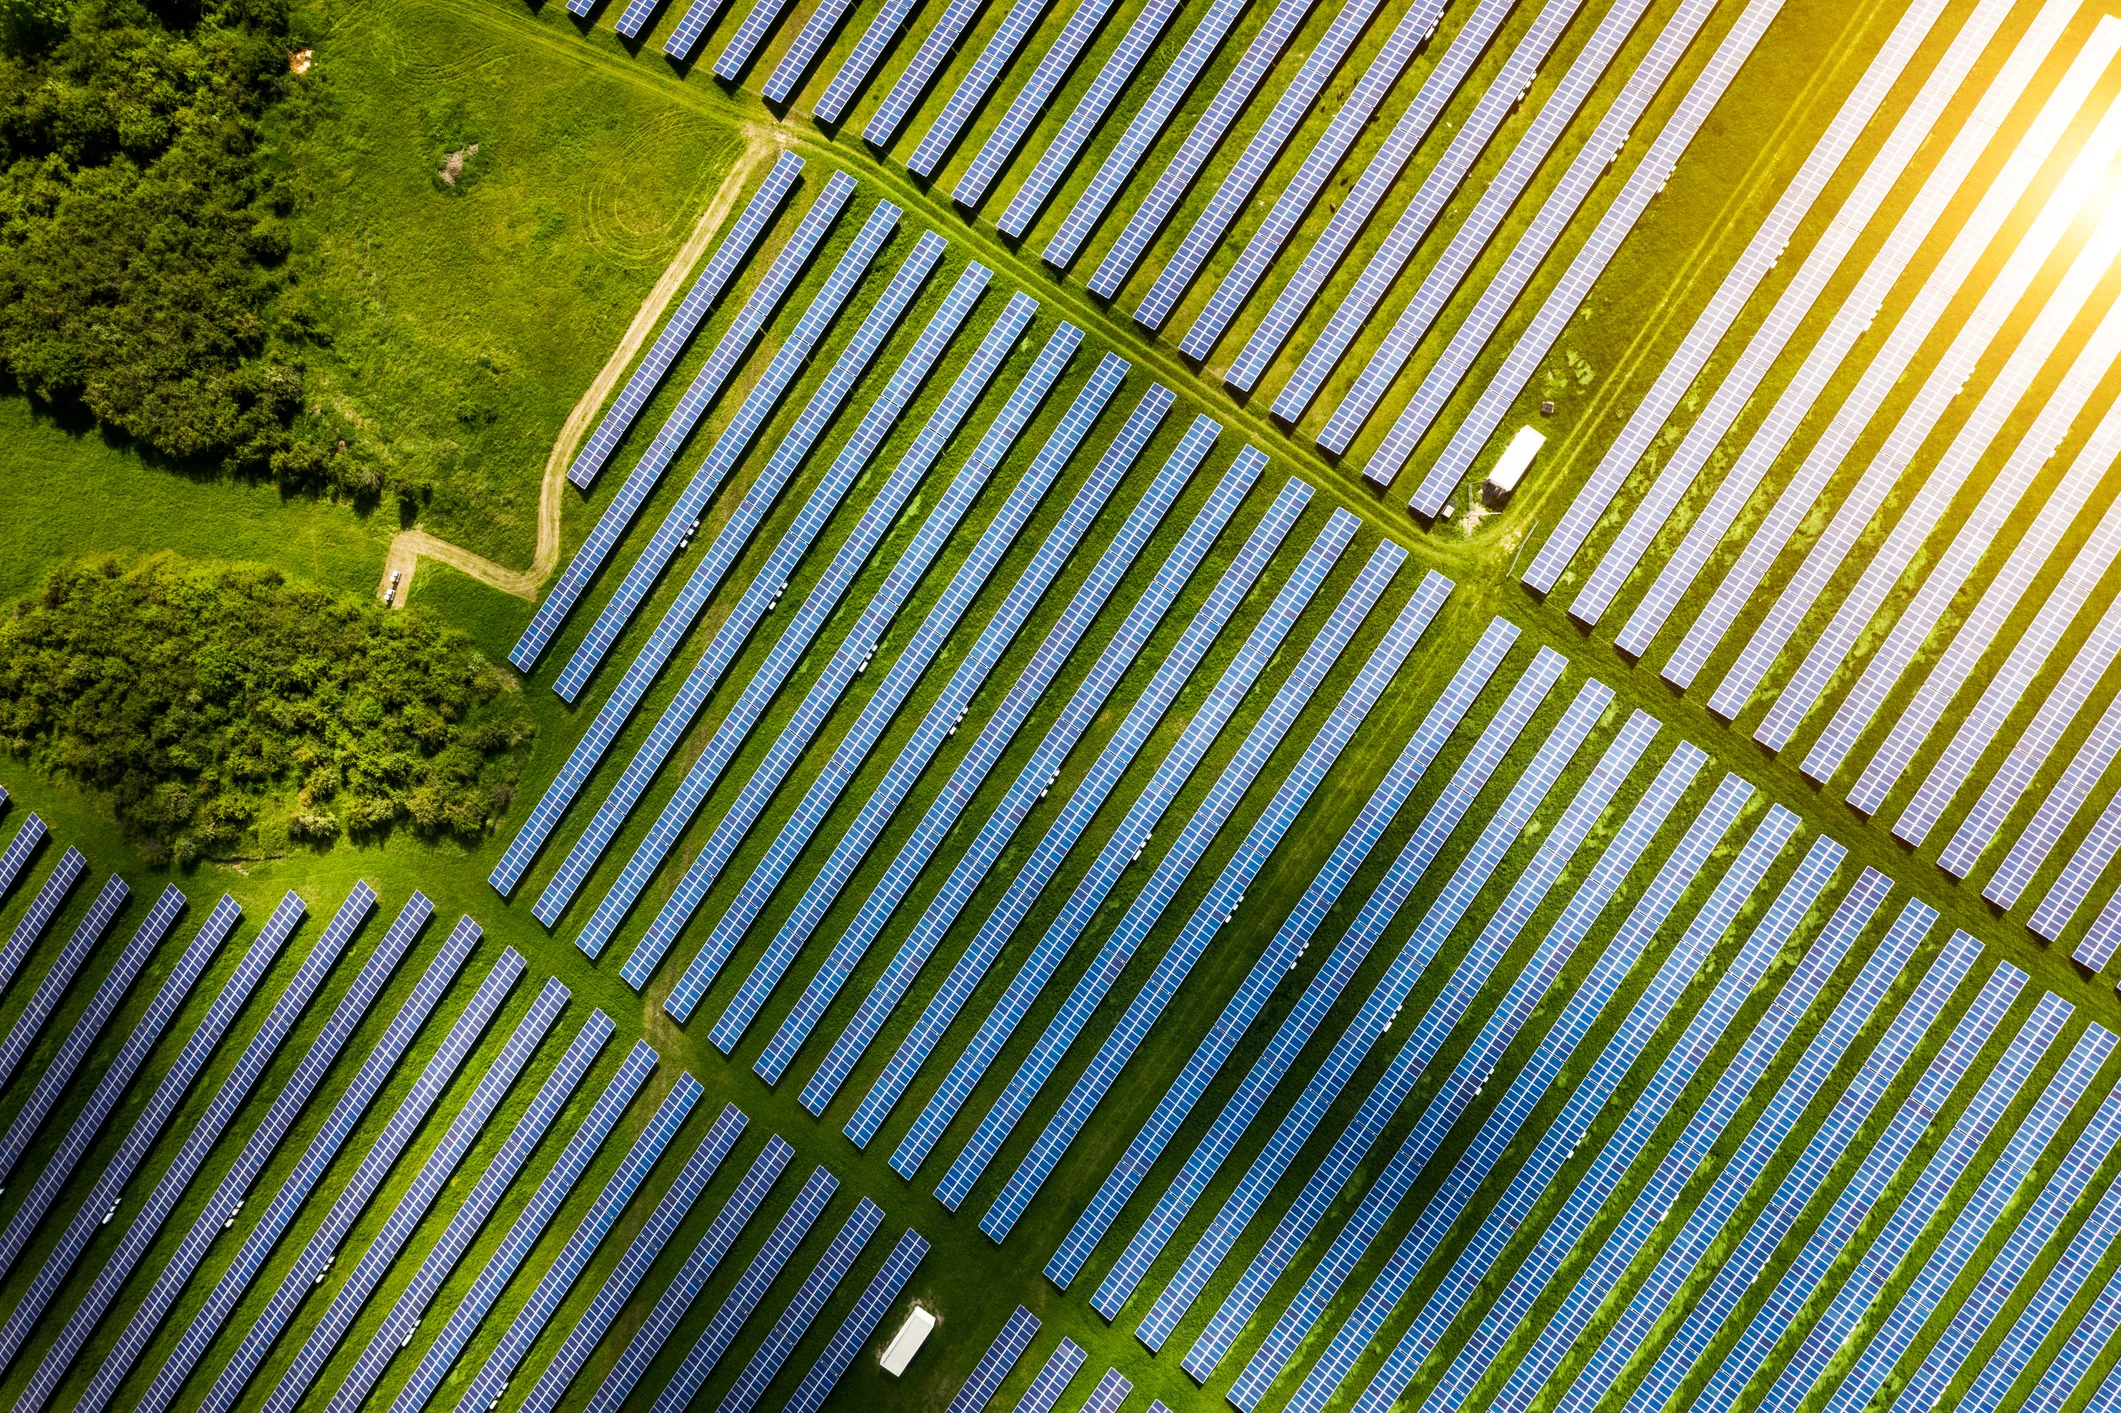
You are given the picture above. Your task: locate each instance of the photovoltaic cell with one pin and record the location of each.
(699, 15)
(920, 71)
(86, 936)
(1053, 1378)
(1029, 104)
(972, 90)
(20, 850)
(1110, 1393)
(51, 897)
(995, 1365)
(2062, 1373)
(749, 35)
(861, 1322)
(803, 1308)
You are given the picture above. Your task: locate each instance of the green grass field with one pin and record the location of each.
(465, 325)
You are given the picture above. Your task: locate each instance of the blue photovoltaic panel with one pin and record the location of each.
(1121, 848)
(543, 1302)
(2073, 1357)
(1215, 909)
(19, 851)
(743, 1298)
(52, 987)
(523, 1234)
(87, 1028)
(292, 1194)
(396, 1330)
(686, 37)
(758, 597)
(729, 447)
(995, 1365)
(175, 1271)
(1411, 29)
(818, 606)
(704, 392)
(861, 1322)
(729, 256)
(322, 1249)
(1037, 775)
(635, 17)
(2060, 807)
(1279, 957)
(803, 1308)
(1150, 213)
(957, 694)
(103, 1199)
(912, 83)
(795, 63)
(1802, 1279)
(684, 1287)
(979, 80)
(1763, 250)
(1362, 935)
(852, 658)
(994, 738)
(51, 897)
(868, 53)
(435, 1174)
(1029, 104)
(88, 1123)
(588, 1329)
(1089, 114)
(681, 520)
(1586, 1004)
(1110, 1393)
(749, 35)
(1053, 1378)
(730, 542)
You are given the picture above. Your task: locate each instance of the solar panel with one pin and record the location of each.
(809, 620)
(51, 897)
(1145, 613)
(1278, 958)
(1886, 372)
(1536, 339)
(1321, 156)
(1227, 893)
(87, 1028)
(1110, 1393)
(699, 15)
(1474, 233)
(684, 1287)
(995, 1365)
(1974, 1220)
(1121, 848)
(1053, 1378)
(293, 1192)
(861, 1322)
(543, 1302)
(749, 35)
(88, 1123)
(972, 769)
(913, 660)
(397, 1328)
(2068, 891)
(684, 515)
(174, 1272)
(1088, 114)
(852, 658)
(704, 391)
(1030, 103)
(1376, 915)
(1150, 212)
(1586, 1003)
(920, 71)
(319, 1253)
(1763, 251)
(589, 1328)
(759, 597)
(524, 1232)
(1352, 216)
(419, 1197)
(2062, 1373)
(972, 90)
(1736, 1272)
(729, 257)
(869, 51)
(102, 1201)
(635, 17)
(52, 986)
(1970, 1321)
(944, 713)
(20, 850)
(1827, 1241)
(1677, 1162)
(743, 1298)
(795, 63)
(795, 1321)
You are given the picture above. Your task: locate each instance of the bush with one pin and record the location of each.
(211, 699)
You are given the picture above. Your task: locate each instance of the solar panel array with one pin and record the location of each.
(803, 1307)
(877, 1298)
(51, 896)
(59, 977)
(20, 849)
(995, 1365)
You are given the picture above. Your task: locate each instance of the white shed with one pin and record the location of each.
(907, 1342)
(1516, 460)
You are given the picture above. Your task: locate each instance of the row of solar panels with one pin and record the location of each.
(1916, 594)
(388, 1159)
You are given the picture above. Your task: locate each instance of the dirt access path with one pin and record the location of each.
(409, 547)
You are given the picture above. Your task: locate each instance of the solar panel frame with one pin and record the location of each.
(861, 1322)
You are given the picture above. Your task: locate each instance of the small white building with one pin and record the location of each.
(907, 1342)
(1516, 460)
